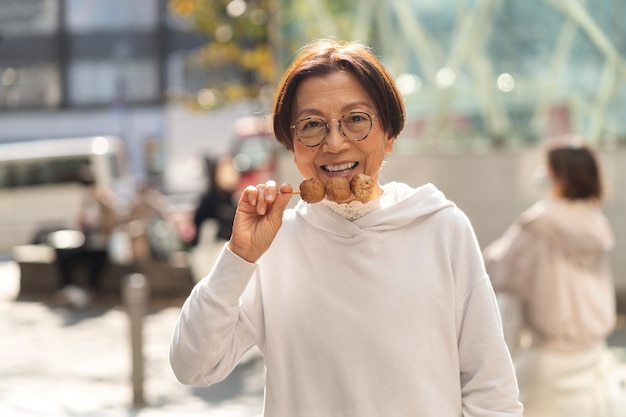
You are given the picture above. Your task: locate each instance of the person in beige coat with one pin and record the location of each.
(554, 260)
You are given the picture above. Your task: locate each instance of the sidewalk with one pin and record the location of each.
(59, 362)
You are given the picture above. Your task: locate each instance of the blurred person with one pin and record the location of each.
(554, 260)
(219, 202)
(97, 218)
(375, 308)
(214, 215)
(148, 208)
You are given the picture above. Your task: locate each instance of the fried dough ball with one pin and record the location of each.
(362, 186)
(338, 189)
(312, 190)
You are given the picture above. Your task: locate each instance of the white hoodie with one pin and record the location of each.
(555, 259)
(388, 315)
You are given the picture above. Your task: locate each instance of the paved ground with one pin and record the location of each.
(58, 362)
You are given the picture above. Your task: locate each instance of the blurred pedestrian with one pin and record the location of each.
(214, 215)
(148, 209)
(374, 308)
(554, 259)
(219, 201)
(97, 218)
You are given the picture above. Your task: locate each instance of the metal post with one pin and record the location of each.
(135, 294)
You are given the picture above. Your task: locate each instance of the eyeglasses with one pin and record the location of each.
(311, 131)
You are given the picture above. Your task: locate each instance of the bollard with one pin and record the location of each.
(135, 294)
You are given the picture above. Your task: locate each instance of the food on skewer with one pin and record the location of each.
(338, 189)
(312, 190)
(362, 187)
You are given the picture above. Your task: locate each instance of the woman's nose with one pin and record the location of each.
(335, 140)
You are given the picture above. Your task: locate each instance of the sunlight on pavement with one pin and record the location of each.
(9, 280)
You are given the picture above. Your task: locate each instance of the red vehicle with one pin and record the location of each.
(254, 151)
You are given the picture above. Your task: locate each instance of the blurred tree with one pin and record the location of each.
(238, 58)
(245, 52)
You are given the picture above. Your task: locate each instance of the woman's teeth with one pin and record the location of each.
(342, 167)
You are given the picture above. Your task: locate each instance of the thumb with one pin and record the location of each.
(275, 212)
(281, 203)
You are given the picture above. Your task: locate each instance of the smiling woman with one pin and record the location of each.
(355, 144)
(372, 283)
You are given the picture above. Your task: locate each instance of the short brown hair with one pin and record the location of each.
(577, 169)
(326, 56)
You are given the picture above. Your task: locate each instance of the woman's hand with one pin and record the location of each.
(259, 216)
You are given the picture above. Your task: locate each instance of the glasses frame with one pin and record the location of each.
(327, 126)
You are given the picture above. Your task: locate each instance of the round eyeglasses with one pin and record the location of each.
(311, 131)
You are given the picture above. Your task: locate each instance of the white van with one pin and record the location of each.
(39, 187)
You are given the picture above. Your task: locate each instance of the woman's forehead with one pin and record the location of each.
(337, 92)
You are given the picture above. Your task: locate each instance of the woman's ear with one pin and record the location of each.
(389, 141)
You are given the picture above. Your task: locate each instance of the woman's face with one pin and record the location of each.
(329, 97)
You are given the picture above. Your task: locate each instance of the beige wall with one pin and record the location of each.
(492, 188)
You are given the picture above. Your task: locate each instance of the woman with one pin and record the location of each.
(555, 260)
(380, 308)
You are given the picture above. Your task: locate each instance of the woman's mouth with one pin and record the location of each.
(339, 169)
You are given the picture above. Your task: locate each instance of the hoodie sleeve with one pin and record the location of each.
(212, 331)
(488, 383)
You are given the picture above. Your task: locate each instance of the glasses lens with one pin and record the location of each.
(356, 125)
(311, 131)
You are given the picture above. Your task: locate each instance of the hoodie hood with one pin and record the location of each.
(579, 227)
(412, 204)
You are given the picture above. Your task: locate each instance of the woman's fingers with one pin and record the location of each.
(265, 196)
(250, 195)
(258, 218)
(261, 204)
(262, 196)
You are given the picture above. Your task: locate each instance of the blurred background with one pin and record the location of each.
(485, 83)
(152, 91)
(179, 82)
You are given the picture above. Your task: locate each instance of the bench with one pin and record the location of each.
(39, 273)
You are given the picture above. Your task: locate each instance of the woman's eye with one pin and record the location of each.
(356, 118)
(312, 124)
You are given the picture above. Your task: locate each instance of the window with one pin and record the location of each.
(35, 173)
(33, 86)
(84, 16)
(28, 17)
(108, 82)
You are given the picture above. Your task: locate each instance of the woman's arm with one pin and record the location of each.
(212, 331)
(488, 383)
